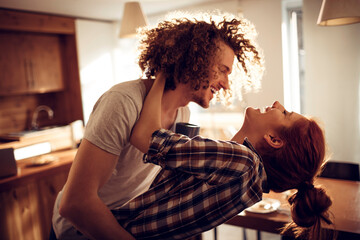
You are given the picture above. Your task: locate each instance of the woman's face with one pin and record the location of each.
(269, 120)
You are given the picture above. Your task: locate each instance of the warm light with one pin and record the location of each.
(339, 12)
(133, 18)
(32, 150)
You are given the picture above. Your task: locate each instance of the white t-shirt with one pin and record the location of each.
(109, 127)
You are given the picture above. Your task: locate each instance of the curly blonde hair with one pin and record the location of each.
(185, 48)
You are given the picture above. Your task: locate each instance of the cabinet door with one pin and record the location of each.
(30, 63)
(45, 63)
(14, 66)
(26, 210)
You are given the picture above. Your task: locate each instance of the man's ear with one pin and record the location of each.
(274, 141)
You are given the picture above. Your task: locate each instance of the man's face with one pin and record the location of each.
(219, 74)
(270, 119)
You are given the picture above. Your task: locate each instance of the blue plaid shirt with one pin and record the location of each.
(203, 183)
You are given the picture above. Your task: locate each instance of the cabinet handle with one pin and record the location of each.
(27, 73)
(32, 83)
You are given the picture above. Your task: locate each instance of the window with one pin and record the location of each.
(293, 54)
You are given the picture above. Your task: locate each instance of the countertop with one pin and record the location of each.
(60, 161)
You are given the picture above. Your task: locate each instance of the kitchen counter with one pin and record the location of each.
(27, 199)
(62, 161)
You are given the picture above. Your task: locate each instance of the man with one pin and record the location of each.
(196, 58)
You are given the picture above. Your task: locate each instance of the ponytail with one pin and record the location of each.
(309, 207)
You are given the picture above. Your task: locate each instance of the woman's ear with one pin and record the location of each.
(274, 141)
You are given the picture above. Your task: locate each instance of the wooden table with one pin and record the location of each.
(345, 209)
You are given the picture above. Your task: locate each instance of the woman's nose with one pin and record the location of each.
(275, 104)
(278, 105)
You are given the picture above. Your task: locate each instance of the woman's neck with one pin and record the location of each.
(246, 133)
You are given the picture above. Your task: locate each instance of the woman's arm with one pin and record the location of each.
(150, 117)
(215, 161)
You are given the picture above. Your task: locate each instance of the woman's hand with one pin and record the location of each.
(150, 117)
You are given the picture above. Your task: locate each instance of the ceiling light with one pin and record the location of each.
(339, 12)
(133, 18)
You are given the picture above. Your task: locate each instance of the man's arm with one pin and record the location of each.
(81, 204)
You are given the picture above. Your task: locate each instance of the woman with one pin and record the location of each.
(203, 182)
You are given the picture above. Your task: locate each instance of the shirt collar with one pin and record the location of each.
(248, 144)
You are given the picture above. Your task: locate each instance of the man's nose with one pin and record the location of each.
(225, 83)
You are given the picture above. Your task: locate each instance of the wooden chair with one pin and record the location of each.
(344, 171)
(341, 170)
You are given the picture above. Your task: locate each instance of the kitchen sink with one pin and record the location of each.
(47, 139)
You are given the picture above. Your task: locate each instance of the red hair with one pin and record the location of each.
(294, 166)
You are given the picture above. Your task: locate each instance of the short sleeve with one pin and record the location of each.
(113, 117)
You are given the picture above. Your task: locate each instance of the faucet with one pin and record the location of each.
(34, 122)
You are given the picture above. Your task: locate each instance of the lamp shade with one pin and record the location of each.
(132, 19)
(339, 12)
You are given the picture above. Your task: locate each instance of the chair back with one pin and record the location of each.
(341, 170)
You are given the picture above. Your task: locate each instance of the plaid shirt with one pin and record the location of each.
(202, 184)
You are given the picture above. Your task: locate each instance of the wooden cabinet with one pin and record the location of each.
(27, 199)
(11, 65)
(38, 66)
(30, 63)
(27, 210)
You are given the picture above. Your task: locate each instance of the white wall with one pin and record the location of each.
(332, 75)
(266, 16)
(230, 6)
(95, 47)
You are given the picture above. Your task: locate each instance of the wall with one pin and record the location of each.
(266, 16)
(95, 46)
(332, 77)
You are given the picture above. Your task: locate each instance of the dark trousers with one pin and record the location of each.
(52, 234)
